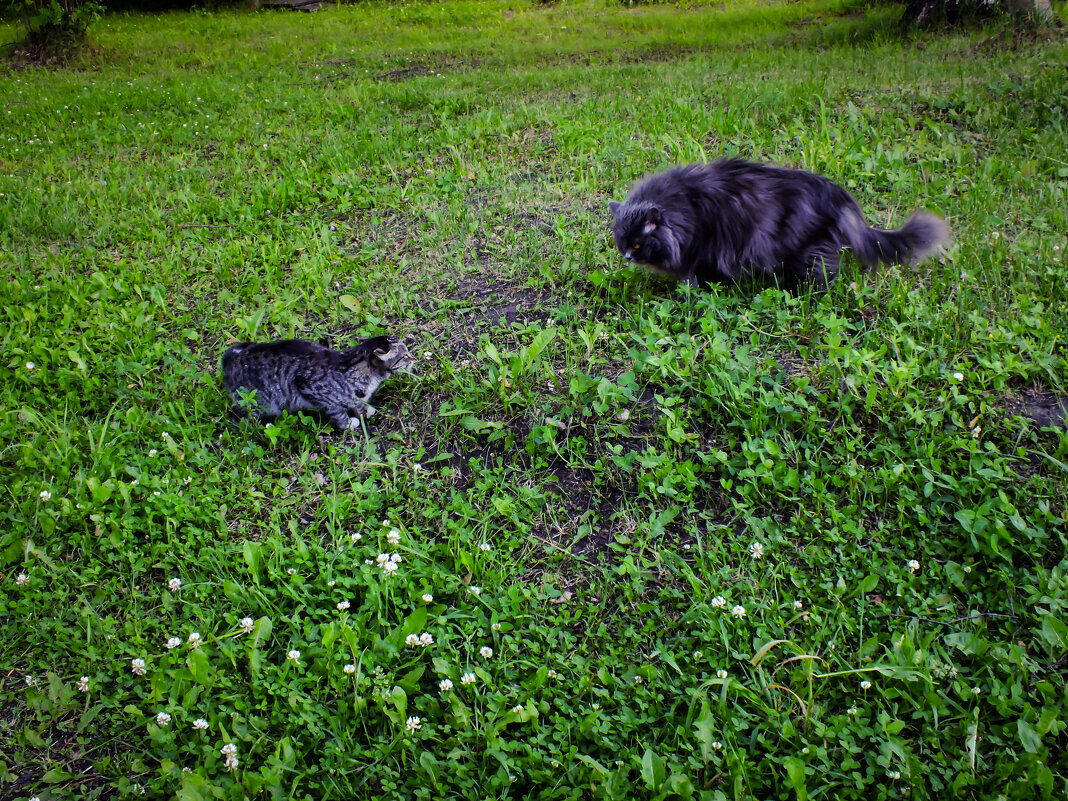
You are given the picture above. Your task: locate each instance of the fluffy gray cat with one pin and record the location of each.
(734, 220)
(296, 375)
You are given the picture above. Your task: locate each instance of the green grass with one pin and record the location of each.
(596, 452)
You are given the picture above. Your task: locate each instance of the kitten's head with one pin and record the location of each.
(388, 354)
(644, 236)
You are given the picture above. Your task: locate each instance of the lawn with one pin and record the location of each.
(653, 543)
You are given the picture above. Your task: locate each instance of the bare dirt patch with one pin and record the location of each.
(1038, 405)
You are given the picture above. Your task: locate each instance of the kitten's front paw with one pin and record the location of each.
(368, 411)
(354, 423)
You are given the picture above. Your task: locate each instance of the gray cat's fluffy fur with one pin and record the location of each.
(735, 220)
(296, 375)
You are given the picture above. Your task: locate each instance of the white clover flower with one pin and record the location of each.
(717, 745)
(152, 452)
(721, 674)
(426, 638)
(331, 583)
(230, 752)
(552, 674)
(913, 565)
(485, 546)
(798, 604)
(959, 376)
(894, 774)
(31, 366)
(467, 678)
(485, 652)
(194, 639)
(356, 537)
(738, 611)
(163, 719)
(496, 626)
(83, 684)
(865, 685)
(517, 708)
(200, 724)
(381, 559)
(417, 468)
(389, 568)
(976, 431)
(292, 571)
(173, 642)
(756, 550)
(138, 667)
(342, 605)
(247, 624)
(412, 640)
(349, 669)
(165, 435)
(293, 656)
(396, 557)
(475, 590)
(428, 598)
(445, 685)
(413, 724)
(697, 654)
(851, 711)
(976, 690)
(174, 584)
(134, 483)
(393, 537)
(22, 579)
(719, 602)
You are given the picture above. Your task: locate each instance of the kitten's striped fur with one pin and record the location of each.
(296, 375)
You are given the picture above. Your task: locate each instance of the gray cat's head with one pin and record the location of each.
(643, 235)
(387, 354)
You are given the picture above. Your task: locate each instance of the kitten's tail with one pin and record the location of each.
(922, 234)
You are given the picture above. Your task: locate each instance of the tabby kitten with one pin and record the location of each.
(295, 375)
(734, 220)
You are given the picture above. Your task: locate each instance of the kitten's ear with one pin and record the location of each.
(614, 206)
(653, 216)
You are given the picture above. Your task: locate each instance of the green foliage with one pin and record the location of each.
(54, 29)
(614, 540)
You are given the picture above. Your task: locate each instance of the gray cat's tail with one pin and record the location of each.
(922, 234)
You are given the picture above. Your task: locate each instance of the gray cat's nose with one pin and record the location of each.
(628, 256)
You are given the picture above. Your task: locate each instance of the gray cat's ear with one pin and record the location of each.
(614, 206)
(653, 216)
